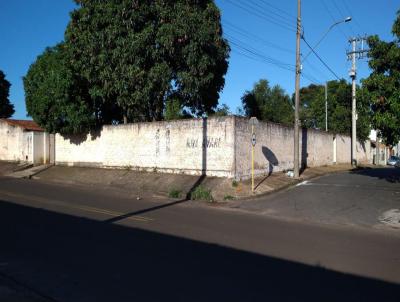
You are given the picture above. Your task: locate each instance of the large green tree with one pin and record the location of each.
(383, 85)
(55, 97)
(268, 103)
(141, 55)
(6, 108)
(312, 111)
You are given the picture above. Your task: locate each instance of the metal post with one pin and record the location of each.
(353, 106)
(297, 93)
(326, 106)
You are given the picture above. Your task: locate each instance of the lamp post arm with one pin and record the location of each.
(324, 35)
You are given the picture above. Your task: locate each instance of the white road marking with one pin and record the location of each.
(391, 218)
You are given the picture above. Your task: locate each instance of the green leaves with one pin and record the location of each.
(312, 112)
(266, 103)
(138, 54)
(382, 87)
(6, 108)
(56, 98)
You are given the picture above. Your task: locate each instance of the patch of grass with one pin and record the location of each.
(228, 197)
(234, 183)
(174, 193)
(201, 193)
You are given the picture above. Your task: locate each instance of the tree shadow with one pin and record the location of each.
(272, 162)
(390, 174)
(79, 138)
(203, 175)
(304, 153)
(78, 259)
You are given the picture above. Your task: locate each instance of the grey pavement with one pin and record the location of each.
(366, 197)
(92, 244)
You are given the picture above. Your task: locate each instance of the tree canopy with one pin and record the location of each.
(312, 111)
(268, 103)
(382, 87)
(140, 55)
(56, 98)
(6, 108)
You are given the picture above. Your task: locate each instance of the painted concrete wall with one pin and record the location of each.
(186, 146)
(215, 146)
(19, 145)
(15, 144)
(274, 148)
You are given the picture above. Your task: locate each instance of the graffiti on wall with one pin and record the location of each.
(210, 142)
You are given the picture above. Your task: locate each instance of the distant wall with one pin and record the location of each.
(194, 146)
(274, 148)
(15, 144)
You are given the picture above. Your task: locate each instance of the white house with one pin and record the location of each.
(25, 141)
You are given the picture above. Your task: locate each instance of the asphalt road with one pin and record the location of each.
(90, 244)
(364, 198)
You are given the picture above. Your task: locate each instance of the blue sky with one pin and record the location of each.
(266, 28)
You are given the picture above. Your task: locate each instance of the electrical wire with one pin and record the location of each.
(333, 18)
(347, 8)
(256, 13)
(255, 38)
(292, 17)
(255, 5)
(342, 15)
(254, 52)
(320, 59)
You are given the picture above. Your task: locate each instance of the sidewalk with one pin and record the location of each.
(159, 185)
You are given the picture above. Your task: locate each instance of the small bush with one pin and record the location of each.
(201, 193)
(174, 193)
(228, 197)
(234, 183)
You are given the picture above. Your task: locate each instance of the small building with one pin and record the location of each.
(25, 141)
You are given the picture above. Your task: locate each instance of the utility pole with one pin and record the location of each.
(297, 94)
(357, 52)
(326, 106)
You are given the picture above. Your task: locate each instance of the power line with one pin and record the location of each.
(347, 8)
(319, 58)
(310, 78)
(256, 13)
(341, 14)
(289, 19)
(252, 51)
(316, 70)
(255, 38)
(332, 17)
(278, 9)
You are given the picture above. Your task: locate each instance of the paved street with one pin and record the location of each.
(92, 244)
(365, 198)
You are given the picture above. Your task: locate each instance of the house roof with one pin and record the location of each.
(26, 125)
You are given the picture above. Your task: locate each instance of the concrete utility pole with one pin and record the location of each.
(297, 94)
(326, 106)
(356, 53)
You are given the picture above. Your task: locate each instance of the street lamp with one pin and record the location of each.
(297, 85)
(348, 19)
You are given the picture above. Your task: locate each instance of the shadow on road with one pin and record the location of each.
(391, 175)
(77, 259)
